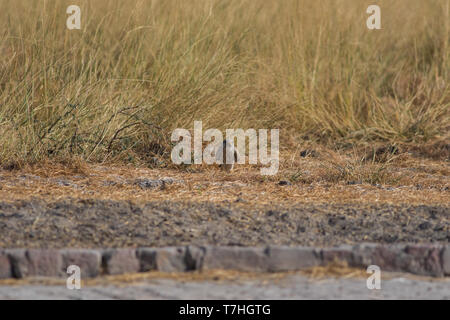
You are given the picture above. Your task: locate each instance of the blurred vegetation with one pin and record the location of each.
(114, 90)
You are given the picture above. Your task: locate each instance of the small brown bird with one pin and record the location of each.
(227, 148)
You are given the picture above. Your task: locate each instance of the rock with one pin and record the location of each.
(35, 262)
(235, 258)
(362, 254)
(18, 261)
(425, 259)
(194, 257)
(88, 260)
(44, 262)
(283, 258)
(5, 266)
(145, 183)
(341, 253)
(391, 258)
(169, 259)
(147, 259)
(120, 261)
(446, 260)
(421, 259)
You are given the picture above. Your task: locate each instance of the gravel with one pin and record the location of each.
(106, 223)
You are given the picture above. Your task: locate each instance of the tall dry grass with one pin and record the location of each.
(114, 90)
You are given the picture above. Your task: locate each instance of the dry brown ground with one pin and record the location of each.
(322, 177)
(323, 199)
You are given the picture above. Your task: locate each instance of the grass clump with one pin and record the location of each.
(114, 90)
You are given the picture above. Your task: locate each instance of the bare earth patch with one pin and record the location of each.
(99, 206)
(108, 223)
(328, 178)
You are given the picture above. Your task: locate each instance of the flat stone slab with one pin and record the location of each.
(282, 258)
(120, 261)
(35, 262)
(89, 261)
(446, 260)
(235, 258)
(168, 259)
(5, 267)
(421, 259)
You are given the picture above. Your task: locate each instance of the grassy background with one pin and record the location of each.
(114, 90)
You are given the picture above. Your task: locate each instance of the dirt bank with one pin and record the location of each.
(107, 223)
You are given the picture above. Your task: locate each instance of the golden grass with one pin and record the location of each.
(329, 178)
(114, 90)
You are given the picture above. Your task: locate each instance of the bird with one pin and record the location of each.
(221, 155)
